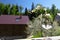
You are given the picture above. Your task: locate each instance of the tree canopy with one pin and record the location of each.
(8, 9)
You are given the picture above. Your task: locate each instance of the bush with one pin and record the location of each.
(56, 32)
(38, 34)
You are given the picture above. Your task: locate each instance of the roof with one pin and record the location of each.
(57, 18)
(12, 19)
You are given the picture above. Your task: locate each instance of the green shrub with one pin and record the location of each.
(37, 35)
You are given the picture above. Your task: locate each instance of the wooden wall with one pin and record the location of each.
(12, 30)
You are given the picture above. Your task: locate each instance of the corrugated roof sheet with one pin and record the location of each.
(11, 19)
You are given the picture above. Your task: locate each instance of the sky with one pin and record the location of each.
(28, 3)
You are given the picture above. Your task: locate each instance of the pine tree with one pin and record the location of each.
(32, 7)
(26, 11)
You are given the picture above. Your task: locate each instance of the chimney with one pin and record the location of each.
(20, 16)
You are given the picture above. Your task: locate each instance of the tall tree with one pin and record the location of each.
(2, 7)
(13, 10)
(7, 9)
(21, 8)
(32, 6)
(26, 11)
(53, 11)
(48, 10)
(17, 10)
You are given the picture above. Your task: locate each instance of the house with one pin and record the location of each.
(57, 18)
(11, 25)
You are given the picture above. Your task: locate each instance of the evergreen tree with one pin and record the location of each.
(2, 7)
(53, 11)
(21, 8)
(48, 10)
(7, 9)
(32, 6)
(17, 10)
(26, 11)
(13, 10)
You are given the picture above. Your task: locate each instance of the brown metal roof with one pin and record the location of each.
(12, 19)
